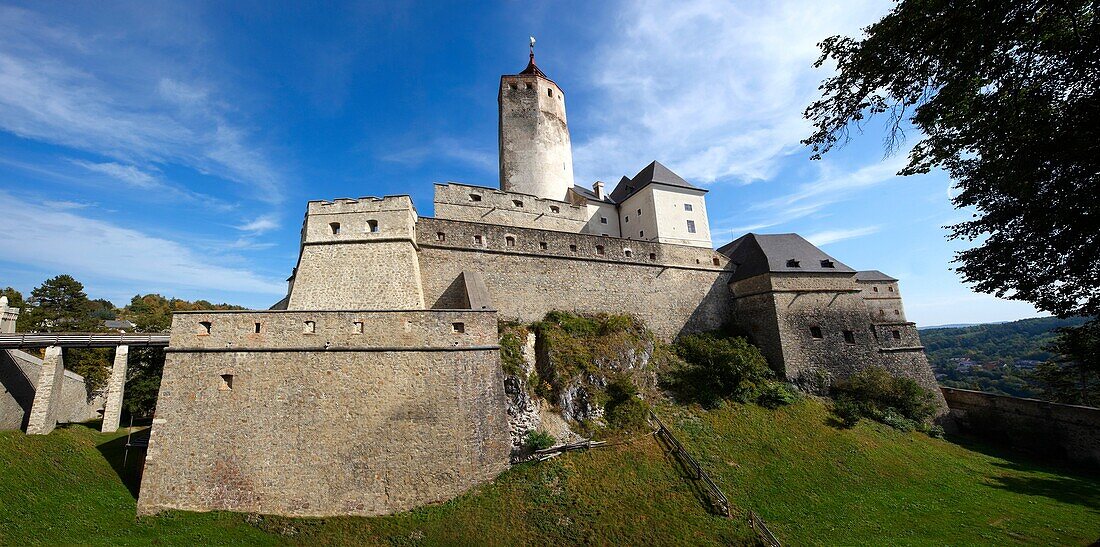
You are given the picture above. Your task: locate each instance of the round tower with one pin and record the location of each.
(535, 155)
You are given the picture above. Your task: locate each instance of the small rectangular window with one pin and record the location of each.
(573, 248)
(896, 334)
(440, 236)
(792, 263)
(717, 262)
(527, 86)
(641, 233)
(626, 220)
(458, 327)
(603, 220)
(510, 241)
(478, 240)
(555, 209)
(257, 328)
(335, 227)
(227, 383)
(639, 212)
(372, 226)
(517, 203)
(310, 327)
(653, 256)
(599, 249)
(204, 327)
(827, 264)
(849, 337)
(687, 207)
(543, 245)
(815, 333)
(357, 327)
(475, 197)
(512, 86)
(627, 253)
(691, 226)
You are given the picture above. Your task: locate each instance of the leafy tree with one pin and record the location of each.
(718, 367)
(1074, 377)
(1006, 94)
(60, 305)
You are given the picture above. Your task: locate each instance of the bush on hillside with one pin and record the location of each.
(539, 440)
(624, 410)
(512, 338)
(718, 367)
(874, 394)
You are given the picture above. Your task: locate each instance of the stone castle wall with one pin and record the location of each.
(672, 288)
(1041, 427)
(457, 202)
(358, 254)
(315, 418)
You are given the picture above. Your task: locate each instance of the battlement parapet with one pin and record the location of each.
(455, 201)
(463, 235)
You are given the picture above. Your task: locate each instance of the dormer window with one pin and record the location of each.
(475, 197)
(517, 203)
(792, 263)
(828, 264)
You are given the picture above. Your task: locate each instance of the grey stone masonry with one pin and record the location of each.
(43, 416)
(115, 388)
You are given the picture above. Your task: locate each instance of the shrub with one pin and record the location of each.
(717, 368)
(624, 410)
(539, 440)
(776, 394)
(512, 339)
(873, 393)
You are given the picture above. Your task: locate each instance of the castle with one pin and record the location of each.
(375, 385)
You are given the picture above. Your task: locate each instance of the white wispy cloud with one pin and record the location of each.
(128, 174)
(71, 243)
(260, 224)
(713, 88)
(61, 86)
(446, 148)
(826, 237)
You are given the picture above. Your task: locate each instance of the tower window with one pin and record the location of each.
(310, 327)
(475, 197)
(639, 212)
(599, 249)
(372, 226)
(527, 86)
(458, 327)
(792, 263)
(555, 209)
(626, 220)
(896, 334)
(897, 312)
(815, 333)
(687, 207)
(549, 92)
(603, 220)
(257, 328)
(512, 86)
(849, 337)
(204, 328)
(573, 248)
(653, 256)
(227, 383)
(357, 327)
(691, 226)
(478, 240)
(641, 233)
(543, 245)
(510, 241)
(335, 227)
(440, 236)
(717, 262)
(875, 289)
(517, 203)
(891, 289)
(627, 253)
(827, 264)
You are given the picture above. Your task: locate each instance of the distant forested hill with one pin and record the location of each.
(1006, 342)
(995, 352)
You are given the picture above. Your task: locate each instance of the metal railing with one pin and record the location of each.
(81, 339)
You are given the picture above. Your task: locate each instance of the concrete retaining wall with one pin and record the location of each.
(19, 373)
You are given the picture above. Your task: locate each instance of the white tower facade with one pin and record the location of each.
(535, 153)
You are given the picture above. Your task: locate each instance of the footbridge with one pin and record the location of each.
(47, 393)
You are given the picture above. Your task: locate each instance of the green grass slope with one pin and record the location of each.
(813, 483)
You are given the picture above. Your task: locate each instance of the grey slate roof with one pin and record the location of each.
(589, 194)
(654, 173)
(755, 254)
(874, 275)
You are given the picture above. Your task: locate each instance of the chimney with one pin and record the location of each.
(597, 188)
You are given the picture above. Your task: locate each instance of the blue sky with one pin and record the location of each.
(170, 148)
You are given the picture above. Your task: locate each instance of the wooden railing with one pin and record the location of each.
(717, 498)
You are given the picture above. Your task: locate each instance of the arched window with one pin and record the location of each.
(372, 226)
(510, 241)
(335, 226)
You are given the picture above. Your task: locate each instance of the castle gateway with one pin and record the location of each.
(375, 385)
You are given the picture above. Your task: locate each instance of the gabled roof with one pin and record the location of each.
(588, 194)
(654, 173)
(874, 275)
(755, 254)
